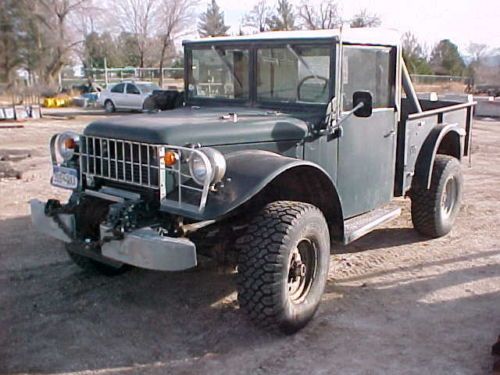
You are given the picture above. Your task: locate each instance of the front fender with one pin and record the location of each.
(427, 154)
(248, 172)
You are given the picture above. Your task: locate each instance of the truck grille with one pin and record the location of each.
(143, 165)
(118, 160)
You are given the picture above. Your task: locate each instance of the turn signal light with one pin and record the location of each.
(170, 158)
(70, 143)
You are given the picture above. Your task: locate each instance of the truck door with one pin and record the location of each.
(367, 146)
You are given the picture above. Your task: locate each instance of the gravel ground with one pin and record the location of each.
(395, 302)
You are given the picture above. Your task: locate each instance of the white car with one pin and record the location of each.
(126, 96)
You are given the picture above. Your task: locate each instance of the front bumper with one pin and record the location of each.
(143, 248)
(45, 224)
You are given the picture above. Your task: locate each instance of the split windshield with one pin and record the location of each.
(286, 74)
(219, 73)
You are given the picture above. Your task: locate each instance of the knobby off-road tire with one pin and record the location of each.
(434, 210)
(283, 265)
(93, 266)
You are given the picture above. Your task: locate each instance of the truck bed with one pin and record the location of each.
(415, 127)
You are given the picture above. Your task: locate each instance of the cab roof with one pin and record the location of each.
(371, 36)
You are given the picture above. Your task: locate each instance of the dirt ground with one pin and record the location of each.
(396, 303)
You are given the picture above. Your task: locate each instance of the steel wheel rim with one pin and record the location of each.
(301, 270)
(449, 197)
(109, 107)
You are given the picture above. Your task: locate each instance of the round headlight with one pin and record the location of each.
(67, 143)
(210, 166)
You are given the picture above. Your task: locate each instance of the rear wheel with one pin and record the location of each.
(434, 210)
(109, 107)
(94, 266)
(283, 265)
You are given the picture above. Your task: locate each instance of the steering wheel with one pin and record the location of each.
(307, 78)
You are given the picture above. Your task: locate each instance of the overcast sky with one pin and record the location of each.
(461, 21)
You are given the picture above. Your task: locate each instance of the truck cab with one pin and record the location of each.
(287, 143)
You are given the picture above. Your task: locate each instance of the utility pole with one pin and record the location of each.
(105, 71)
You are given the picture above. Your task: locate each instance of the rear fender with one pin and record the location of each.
(445, 139)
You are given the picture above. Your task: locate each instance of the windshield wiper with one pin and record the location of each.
(301, 59)
(228, 65)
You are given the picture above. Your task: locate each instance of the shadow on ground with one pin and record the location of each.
(55, 318)
(383, 238)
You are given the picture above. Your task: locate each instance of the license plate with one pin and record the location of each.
(65, 177)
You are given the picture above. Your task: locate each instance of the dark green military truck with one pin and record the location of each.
(288, 143)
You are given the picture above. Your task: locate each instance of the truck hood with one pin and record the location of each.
(206, 126)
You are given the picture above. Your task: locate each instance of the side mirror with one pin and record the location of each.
(364, 97)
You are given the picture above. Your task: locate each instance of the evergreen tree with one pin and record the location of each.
(446, 60)
(212, 21)
(284, 17)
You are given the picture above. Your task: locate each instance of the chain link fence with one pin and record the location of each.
(172, 77)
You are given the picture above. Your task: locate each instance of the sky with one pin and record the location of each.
(461, 21)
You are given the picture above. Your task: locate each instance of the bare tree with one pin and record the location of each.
(54, 17)
(365, 19)
(324, 16)
(258, 16)
(10, 28)
(414, 54)
(137, 17)
(476, 68)
(175, 19)
(477, 51)
(411, 45)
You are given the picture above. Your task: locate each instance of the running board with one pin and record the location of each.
(358, 226)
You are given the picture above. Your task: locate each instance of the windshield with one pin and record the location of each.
(146, 88)
(219, 72)
(287, 73)
(293, 74)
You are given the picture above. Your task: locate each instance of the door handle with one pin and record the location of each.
(392, 132)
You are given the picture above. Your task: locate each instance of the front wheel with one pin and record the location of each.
(434, 210)
(283, 265)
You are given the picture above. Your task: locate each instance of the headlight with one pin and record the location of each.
(211, 165)
(67, 144)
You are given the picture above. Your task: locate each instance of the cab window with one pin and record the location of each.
(297, 74)
(367, 68)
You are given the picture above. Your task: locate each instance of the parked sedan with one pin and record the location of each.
(127, 96)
